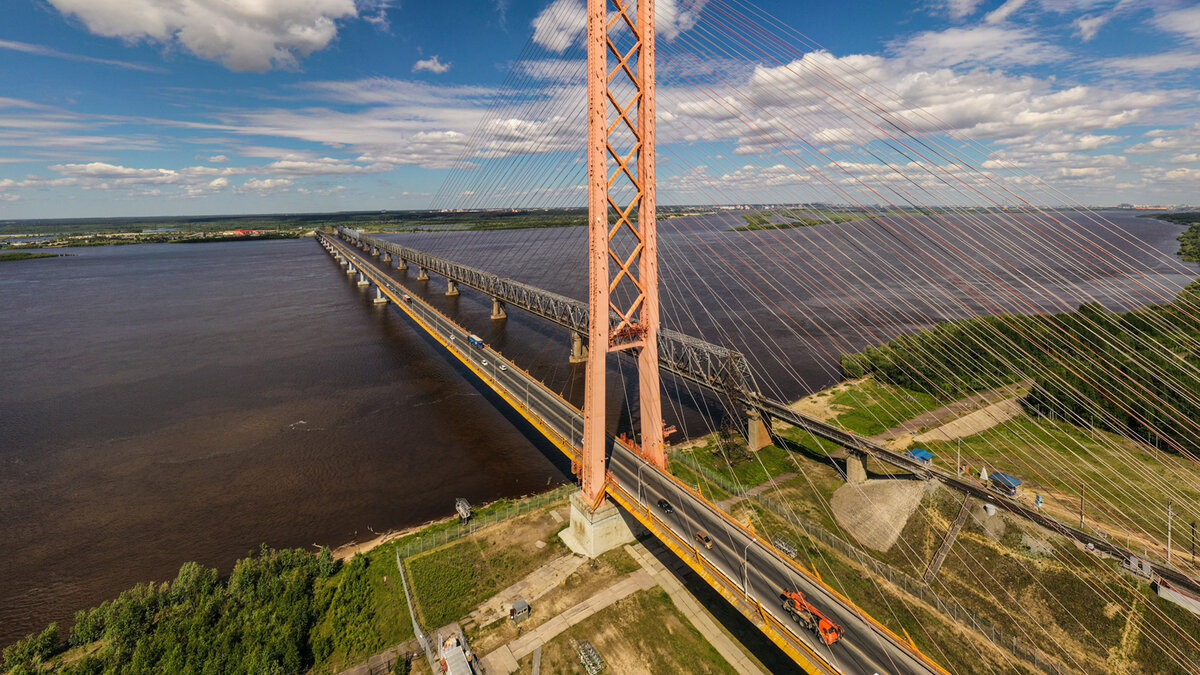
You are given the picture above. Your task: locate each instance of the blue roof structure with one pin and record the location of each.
(921, 454)
(1006, 480)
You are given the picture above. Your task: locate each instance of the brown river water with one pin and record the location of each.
(162, 403)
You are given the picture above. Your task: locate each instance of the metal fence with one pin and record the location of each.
(915, 587)
(433, 540)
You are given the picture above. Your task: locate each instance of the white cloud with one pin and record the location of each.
(985, 45)
(1086, 27)
(218, 159)
(267, 185)
(1153, 64)
(1001, 13)
(46, 51)
(672, 17)
(432, 64)
(1185, 22)
(961, 9)
(560, 24)
(254, 35)
(564, 22)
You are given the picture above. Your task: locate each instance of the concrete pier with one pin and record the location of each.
(387, 257)
(380, 298)
(403, 266)
(758, 434)
(856, 467)
(362, 280)
(579, 350)
(451, 287)
(350, 269)
(422, 274)
(592, 532)
(498, 310)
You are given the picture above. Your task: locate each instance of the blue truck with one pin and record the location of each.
(474, 340)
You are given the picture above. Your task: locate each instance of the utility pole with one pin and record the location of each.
(1193, 542)
(1082, 494)
(958, 459)
(1170, 508)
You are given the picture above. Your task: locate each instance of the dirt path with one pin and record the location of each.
(937, 417)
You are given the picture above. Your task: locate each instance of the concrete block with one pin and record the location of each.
(594, 532)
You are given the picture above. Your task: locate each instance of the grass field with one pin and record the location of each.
(643, 633)
(1128, 484)
(875, 407)
(450, 581)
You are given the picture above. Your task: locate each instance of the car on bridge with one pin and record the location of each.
(704, 539)
(666, 506)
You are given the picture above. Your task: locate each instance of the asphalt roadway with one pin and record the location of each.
(758, 571)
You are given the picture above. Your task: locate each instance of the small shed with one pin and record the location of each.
(519, 611)
(464, 508)
(921, 455)
(1005, 483)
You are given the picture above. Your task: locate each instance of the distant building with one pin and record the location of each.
(1004, 483)
(921, 455)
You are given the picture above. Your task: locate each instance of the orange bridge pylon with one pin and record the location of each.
(622, 224)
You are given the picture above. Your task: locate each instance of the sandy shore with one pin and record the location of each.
(347, 551)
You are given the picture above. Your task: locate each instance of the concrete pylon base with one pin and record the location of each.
(856, 468)
(594, 532)
(758, 436)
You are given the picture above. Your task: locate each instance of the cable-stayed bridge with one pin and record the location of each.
(924, 213)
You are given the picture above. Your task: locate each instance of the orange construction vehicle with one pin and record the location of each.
(808, 616)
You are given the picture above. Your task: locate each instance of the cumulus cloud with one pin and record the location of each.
(560, 24)
(254, 35)
(218, 159)
(432, 64)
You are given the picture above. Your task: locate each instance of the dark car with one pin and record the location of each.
(704, 539)
(666, 506)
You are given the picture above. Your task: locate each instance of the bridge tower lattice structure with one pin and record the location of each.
(622, 224)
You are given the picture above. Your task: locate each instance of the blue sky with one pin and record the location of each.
(162, 107)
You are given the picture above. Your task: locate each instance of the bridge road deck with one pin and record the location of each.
(727, 373)
(743, 568)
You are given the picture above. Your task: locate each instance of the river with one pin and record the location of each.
(162, 403)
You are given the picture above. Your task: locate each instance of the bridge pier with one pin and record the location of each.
(451, 287)
(387, 257)
(350, 268)
(498, 310)
(403, 266)
(592, 532)
(362, 280)
(856, 467)
(380, 298)
(579, 350)
(758, 434)
(422, 274)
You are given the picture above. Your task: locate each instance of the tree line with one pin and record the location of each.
(1133, 373)
(281, 611)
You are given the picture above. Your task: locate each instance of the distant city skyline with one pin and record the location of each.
(155, 107)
